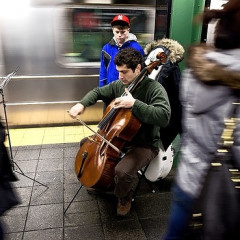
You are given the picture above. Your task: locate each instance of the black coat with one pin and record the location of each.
(170, 77)
(5, 163)
(8, 197)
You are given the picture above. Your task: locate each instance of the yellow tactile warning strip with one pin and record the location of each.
(48, 135)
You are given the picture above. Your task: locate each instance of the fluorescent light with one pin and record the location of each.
(14, 8)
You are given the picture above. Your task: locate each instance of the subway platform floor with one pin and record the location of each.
(44, 163)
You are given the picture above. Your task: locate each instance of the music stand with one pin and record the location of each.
(3, 84)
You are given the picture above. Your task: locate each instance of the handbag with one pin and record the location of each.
(217, 210)
(221, 201)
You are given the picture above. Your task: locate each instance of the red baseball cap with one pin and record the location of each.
(120, 20)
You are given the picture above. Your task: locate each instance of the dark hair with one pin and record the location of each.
(119, 26)
(227, 31)
(129, 56)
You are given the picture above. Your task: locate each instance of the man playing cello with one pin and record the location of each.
(149, 103)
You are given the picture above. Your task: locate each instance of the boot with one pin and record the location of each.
(124, 205)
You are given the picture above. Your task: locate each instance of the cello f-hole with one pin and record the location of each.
(84, 156)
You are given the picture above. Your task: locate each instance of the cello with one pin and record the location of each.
(99, 154)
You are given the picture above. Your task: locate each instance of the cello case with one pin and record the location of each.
(161, 165)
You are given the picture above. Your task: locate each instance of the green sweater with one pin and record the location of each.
(151, 107)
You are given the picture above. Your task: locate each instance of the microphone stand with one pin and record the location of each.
(13, 163)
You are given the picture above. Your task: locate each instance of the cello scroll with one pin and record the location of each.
(162, 56)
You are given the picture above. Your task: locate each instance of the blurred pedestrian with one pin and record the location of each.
(8, 197)
(210, 85)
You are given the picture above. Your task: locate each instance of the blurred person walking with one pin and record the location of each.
(8, 197)
(209, 86)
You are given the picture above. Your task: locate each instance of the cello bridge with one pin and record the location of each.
(91, 139)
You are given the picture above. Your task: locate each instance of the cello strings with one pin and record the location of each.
(100, 136)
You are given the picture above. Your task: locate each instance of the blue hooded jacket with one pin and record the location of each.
(108, 72)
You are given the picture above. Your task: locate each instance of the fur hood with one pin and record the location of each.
(176, 50)
(215, 66)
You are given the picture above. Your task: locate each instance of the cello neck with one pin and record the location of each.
(136, 81)
(107, 118)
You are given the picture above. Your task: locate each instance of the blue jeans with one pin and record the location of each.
(180, 213)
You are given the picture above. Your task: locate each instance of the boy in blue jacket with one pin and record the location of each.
(122, 38)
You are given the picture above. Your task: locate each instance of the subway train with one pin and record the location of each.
(56, 51)
(55, 47)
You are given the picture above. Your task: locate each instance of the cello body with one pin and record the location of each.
(96, 160)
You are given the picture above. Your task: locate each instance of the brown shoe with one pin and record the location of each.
(124, 206)
(96, 191)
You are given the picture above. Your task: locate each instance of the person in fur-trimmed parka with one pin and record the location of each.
(169, 76)
(210, 85)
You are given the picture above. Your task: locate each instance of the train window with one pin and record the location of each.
(84, 29)
(162, 19)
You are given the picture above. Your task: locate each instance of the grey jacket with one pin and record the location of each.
(208, 90)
